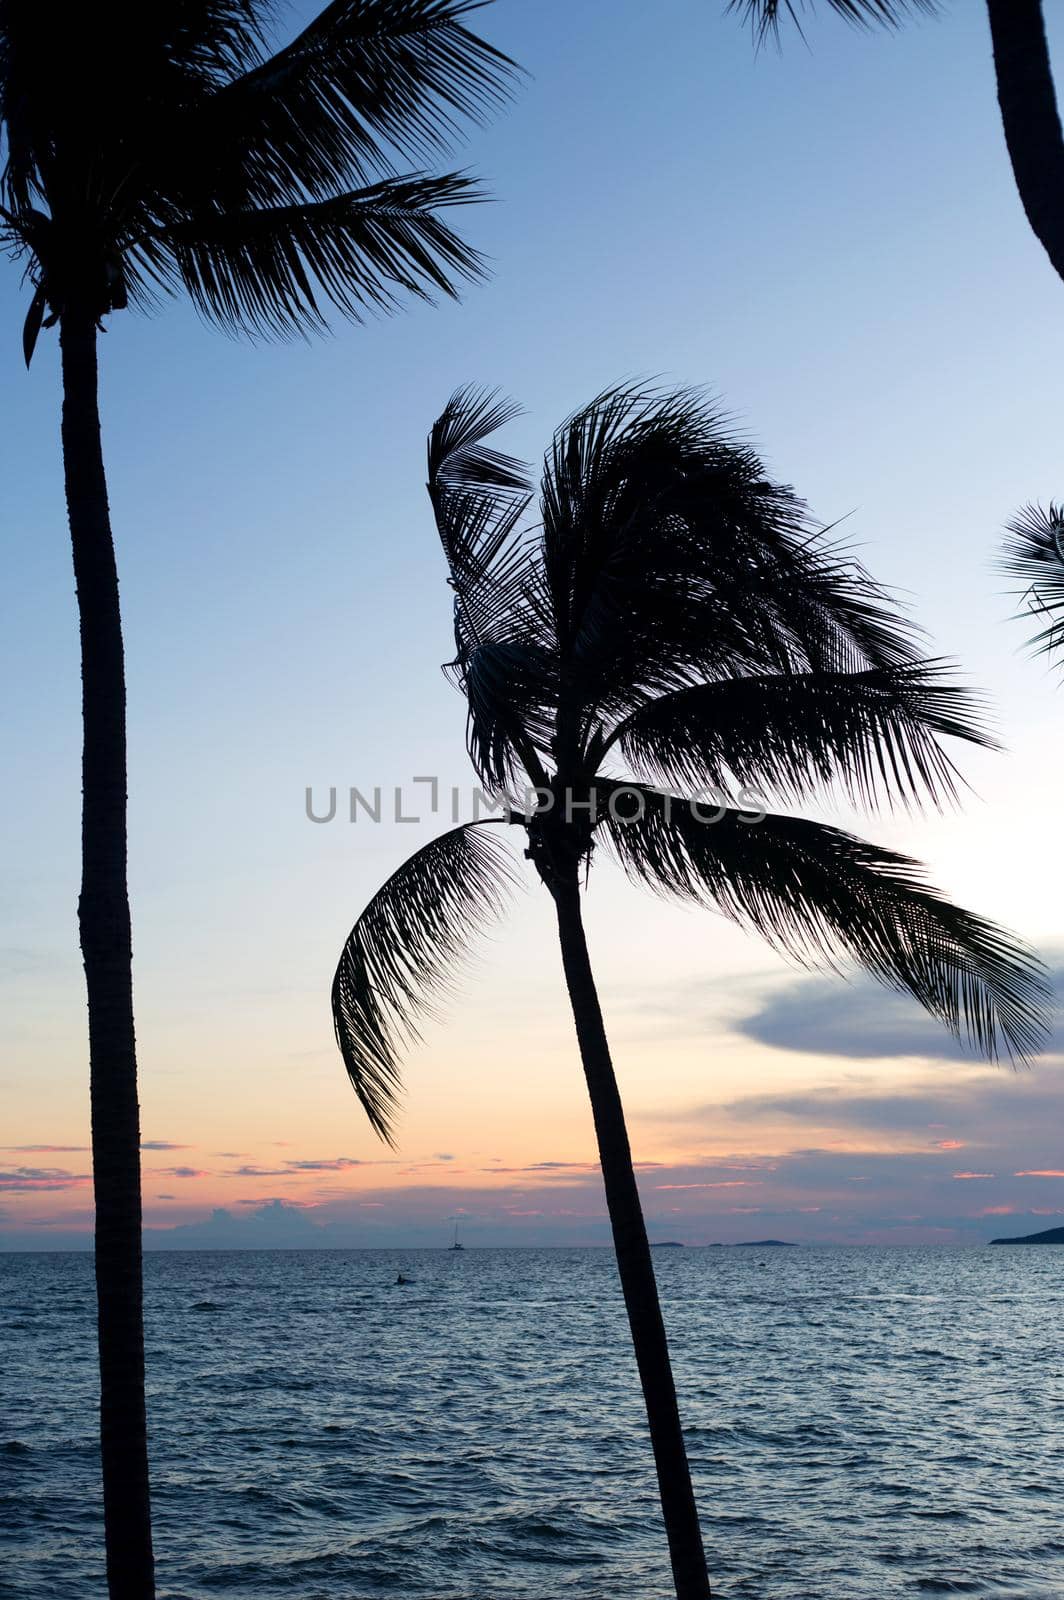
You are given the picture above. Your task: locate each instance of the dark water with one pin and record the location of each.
(862, 1424)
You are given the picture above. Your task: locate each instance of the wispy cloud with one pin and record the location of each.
(726, 1183)
(27, 1180)
(46, 1149)
(858, 1020)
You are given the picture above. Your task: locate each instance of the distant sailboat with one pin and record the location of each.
(457, 1245)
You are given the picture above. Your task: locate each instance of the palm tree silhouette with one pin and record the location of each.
(676, 612)
(1034, 552)
(1026, 96)
(150, 149)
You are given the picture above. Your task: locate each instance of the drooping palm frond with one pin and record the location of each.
(273, 270)
(874, 734)
(1034, 553)
(764, 16)
(817, 893)
(405, 951)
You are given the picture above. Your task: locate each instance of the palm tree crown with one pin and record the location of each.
(149, 148)
(671, 626)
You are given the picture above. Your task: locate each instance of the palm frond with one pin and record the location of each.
(1034, 553)
(511, 692)
(764, 16)
(459, 459)
(212, 41)
(874, 733)
(505, 662)
(270, 271)
(404, 953)
(366, 84)
(817, 893)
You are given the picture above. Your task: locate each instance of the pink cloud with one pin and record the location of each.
(726, 1183)
(1047, 1172)
(972, 1175)
(46, 1149)
(28, 1180)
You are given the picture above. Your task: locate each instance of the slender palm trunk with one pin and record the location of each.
(106, 946)
(1029, 113)
(633, 1253)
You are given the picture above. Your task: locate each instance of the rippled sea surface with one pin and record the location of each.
(861, 1423)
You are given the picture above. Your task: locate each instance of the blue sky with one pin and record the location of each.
(827, 238)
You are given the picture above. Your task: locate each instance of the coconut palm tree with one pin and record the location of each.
(1034, 553)
(672, 626)
(1026, 95)
(155, 149)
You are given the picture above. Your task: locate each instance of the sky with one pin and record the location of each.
(827, 238)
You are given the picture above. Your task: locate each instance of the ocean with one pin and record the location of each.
(862, 1423)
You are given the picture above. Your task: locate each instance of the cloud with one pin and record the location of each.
(292, 1169)
(859, 1019)
(28, 1180)
(726, 1183)
(561, 1168)
(336, 1164)
(46, 1149)
(181, 1172)
(162, 1144)
(977, 1107)
(964, 1176)
(272, 1224)
(1045, 1172)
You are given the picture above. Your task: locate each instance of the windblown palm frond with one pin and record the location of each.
(363, 83)
(505, 662)
(405, 950)
(816, 892)
(873, 733)
(1034, 553)
(672, 559)
(458, 458)
(764, 16)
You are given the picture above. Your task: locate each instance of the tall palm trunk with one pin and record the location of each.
(1029, 113)
(633, 1253)
(106, 945)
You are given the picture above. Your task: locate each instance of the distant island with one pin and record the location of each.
(1049, 1236)
(667, 1244)
(755, 1244)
